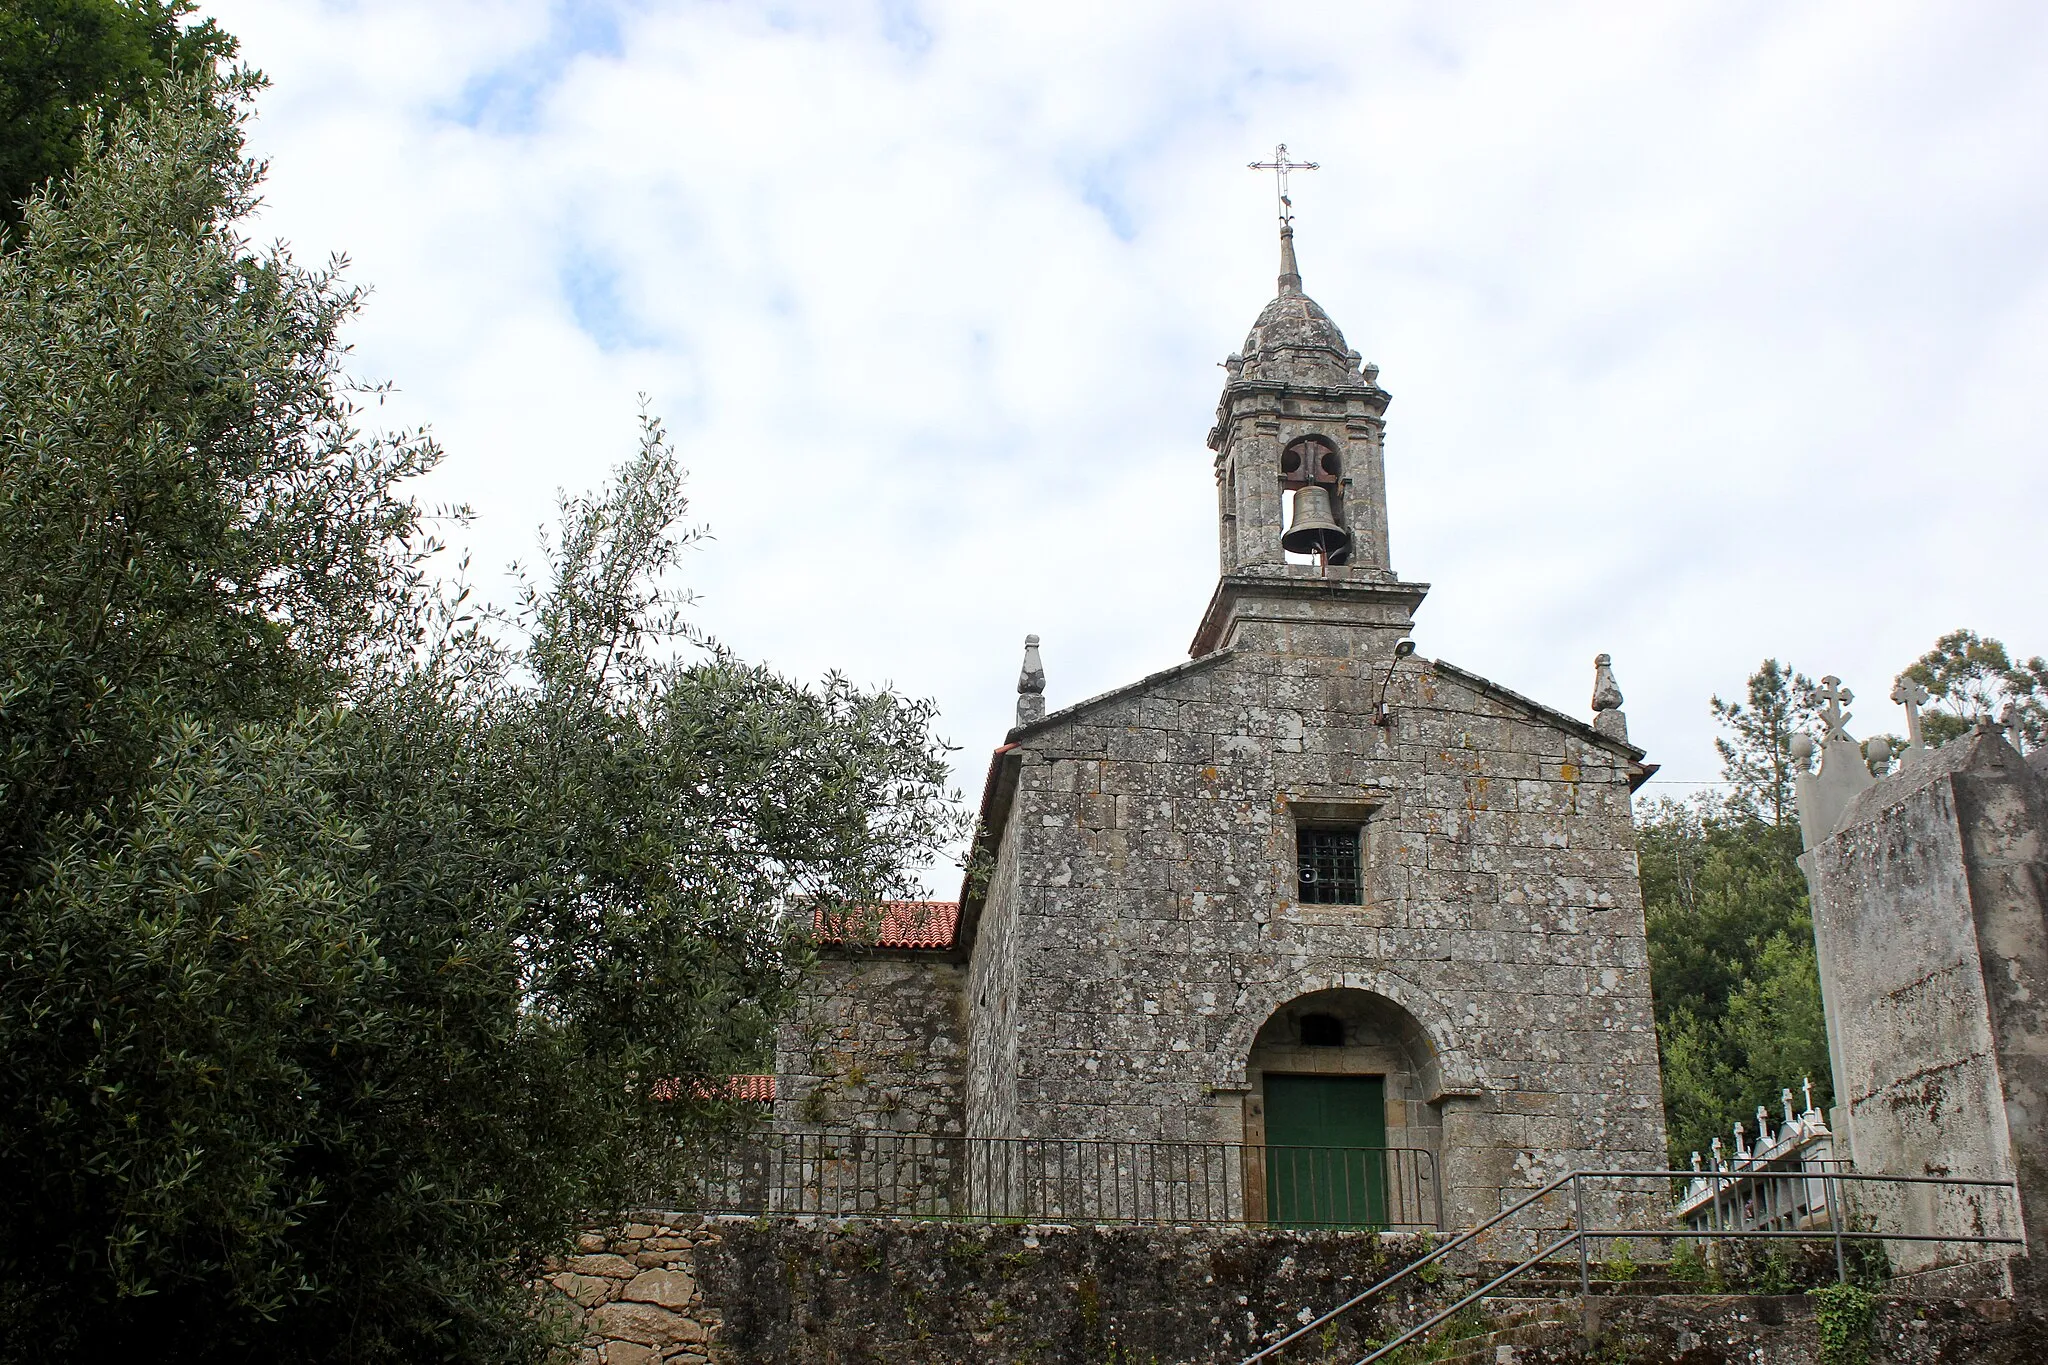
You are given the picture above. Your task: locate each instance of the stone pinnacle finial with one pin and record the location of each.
(1031, 685)
(1607, 716)
(1290, 273)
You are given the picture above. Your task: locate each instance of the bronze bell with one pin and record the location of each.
(1315, 530)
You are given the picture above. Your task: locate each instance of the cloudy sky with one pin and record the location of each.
(1715, 331)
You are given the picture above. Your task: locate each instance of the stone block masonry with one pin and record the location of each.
(672, 1289)
(876, 1042)
(1142, 948)
(1144, 959)
(676, 1288)
(634, 1289)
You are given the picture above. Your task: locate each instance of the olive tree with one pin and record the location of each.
(346, 928)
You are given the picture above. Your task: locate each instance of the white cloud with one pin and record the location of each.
(1714, 331)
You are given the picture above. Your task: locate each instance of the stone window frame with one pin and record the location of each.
(1355, 815)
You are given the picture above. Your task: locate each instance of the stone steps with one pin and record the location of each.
(1516, 1324)
(1535, 1285)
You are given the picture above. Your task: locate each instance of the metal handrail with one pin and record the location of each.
(1582, 1236)
(1405, 1271)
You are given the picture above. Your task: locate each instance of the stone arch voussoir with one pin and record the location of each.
(1458, 1073)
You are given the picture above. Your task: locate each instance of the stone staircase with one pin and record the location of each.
(1540, 1314)
(1562, 1282)
(1514, 1325)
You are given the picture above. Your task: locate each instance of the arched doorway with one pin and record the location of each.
(1337, 1107)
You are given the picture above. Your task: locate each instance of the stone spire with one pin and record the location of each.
(1031, 685)
(1607, 716)
(1290, 273)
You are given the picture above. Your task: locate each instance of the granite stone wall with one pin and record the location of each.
(633, 1291)
(994, 1028)
(878, 1041)
(672, 1289)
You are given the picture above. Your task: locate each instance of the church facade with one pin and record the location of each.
(1304, 888)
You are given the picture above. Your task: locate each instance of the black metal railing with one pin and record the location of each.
(1555, 1218)
(855, 1173)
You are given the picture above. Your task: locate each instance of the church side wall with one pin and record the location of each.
(1156, 907)
(991, 1001)
(875, 1042)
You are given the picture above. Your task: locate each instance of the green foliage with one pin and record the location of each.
(1846, 1319)
(1447, 1340)
(188, 518)
(62, 62)
(1755, 754)
(1775, 1275)
(1969, 677)
(1620, 1263)
(1693, 1265)
(1731, 965)
(348, 927)
(1731, 934)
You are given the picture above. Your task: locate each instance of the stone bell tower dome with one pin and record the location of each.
(1300, 476)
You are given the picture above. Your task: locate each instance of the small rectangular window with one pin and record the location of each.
(1329, 866)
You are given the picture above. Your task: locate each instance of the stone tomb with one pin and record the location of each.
(1930, 910)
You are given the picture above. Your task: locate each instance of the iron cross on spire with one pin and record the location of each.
(1280, 166)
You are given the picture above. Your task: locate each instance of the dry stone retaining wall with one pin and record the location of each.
(683, 1290)
(635, 1289)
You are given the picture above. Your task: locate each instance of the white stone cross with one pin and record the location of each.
(1280, 166)
(1911, 695)
(1808, 1088)
(1836, 696)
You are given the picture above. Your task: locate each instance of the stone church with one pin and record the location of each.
(1305, 888)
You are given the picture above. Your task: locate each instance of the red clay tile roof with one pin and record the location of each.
(904, 924)
(740, 1089)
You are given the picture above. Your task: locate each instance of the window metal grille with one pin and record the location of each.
(1329, 866)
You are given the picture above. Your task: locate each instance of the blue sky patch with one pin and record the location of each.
(591, 285)
(504, 99)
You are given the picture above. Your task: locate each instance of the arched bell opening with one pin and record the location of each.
(1338, 1108)
(1312, 487)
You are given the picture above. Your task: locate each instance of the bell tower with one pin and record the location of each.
(1301, 488)
(1301, 479)
(1298, 438)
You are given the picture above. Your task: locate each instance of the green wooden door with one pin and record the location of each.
(1326, 1139)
